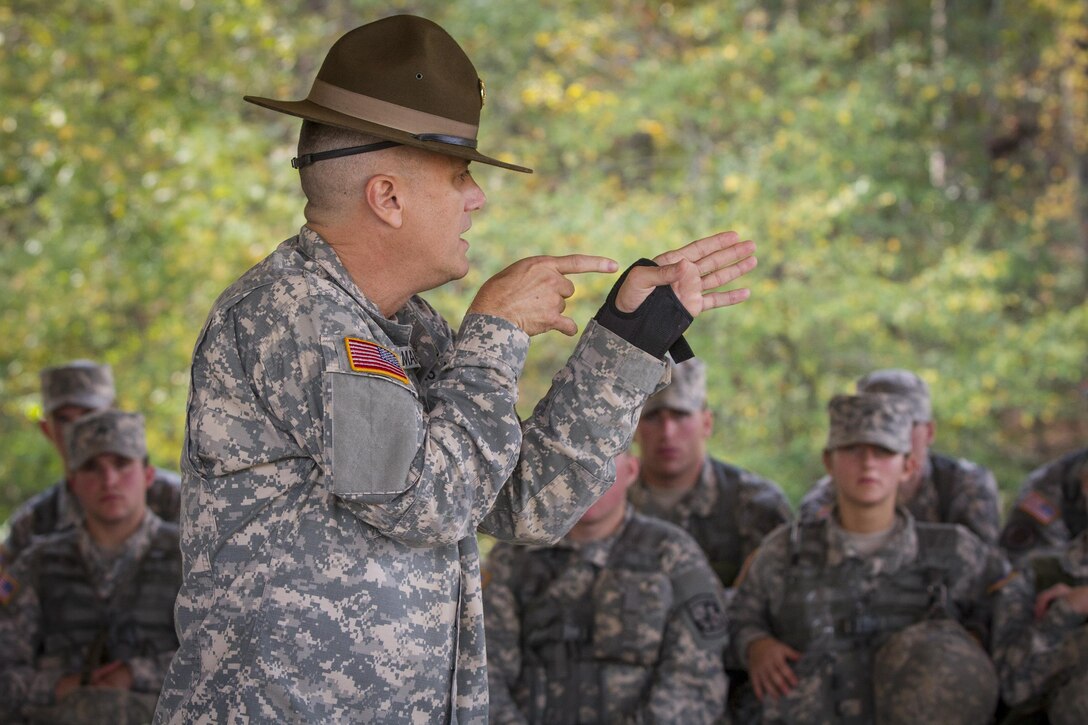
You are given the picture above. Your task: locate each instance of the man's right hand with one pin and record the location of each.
(532, 293)
(769, 668)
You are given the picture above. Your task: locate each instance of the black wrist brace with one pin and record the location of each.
(657, 326)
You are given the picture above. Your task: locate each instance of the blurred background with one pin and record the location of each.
(915, 174)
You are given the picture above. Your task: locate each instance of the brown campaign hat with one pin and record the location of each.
(403, 79)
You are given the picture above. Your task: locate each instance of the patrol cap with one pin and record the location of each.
(686, 392)
(403, 79)
(880, 419)
(901, 382)
(80, 382)
(108, 431)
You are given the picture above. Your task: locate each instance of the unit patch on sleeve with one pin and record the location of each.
(365, 356)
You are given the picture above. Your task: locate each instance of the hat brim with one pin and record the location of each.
(311, 111)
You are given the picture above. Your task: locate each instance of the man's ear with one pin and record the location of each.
(910, 467)
(149, 475)
(383, 197)
(827, 461)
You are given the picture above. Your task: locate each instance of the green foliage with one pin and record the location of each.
(917, 203)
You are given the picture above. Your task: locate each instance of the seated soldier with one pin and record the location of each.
(1051, 508)
(69, 392)
(726, 509)
(942, 489)
(866, 615)
(1041, 636)
(621, 621)
(87, 613)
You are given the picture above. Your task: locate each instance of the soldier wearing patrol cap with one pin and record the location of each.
(1041, 636)
(343, 444)
(942, 489)
(69, 392)
(867, 615)
(621, 621)
(725, 508)
(86, 614)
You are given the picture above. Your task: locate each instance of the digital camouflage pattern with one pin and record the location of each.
(74, 609)
(107, 431)
(952, 491)
(56, 509)
(807, 588)
(686, 392)
(1051, 508)
(934, 668)
(95, 706)
(331, 570)
(625, 629)
(727, 512)
(878, 419)
(897, 381)
(81, 383)
(1044, 662)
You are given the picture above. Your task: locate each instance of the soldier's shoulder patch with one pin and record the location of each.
(366, 356)
(823, 512)
(1002, 582)
(8, 587)
(707, 614)
(1039, 507)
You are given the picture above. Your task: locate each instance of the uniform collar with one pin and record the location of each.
(900, 549)
(597, 552)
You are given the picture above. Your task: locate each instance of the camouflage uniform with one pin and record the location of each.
(884, 635)
(330, 505)
(55, 509)
(808, 590)
(86, 385)
(952, 491)
(629, 628)
(70, 609)
(728, 513)
(729, 510)
(1043, 664)
(1050, 509)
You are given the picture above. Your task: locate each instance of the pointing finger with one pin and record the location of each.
(579, 263)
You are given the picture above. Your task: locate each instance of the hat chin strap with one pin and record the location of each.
(307, 159)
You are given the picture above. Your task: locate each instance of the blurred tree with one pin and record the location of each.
(914, 174)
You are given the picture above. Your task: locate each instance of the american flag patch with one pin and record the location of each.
(365, 356)
(1039, 508)
(7, 587)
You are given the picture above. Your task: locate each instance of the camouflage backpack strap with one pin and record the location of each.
(806, 556)
(947, 477)
(936, 553)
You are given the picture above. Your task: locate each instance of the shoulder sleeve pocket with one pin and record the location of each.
(376, 430)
